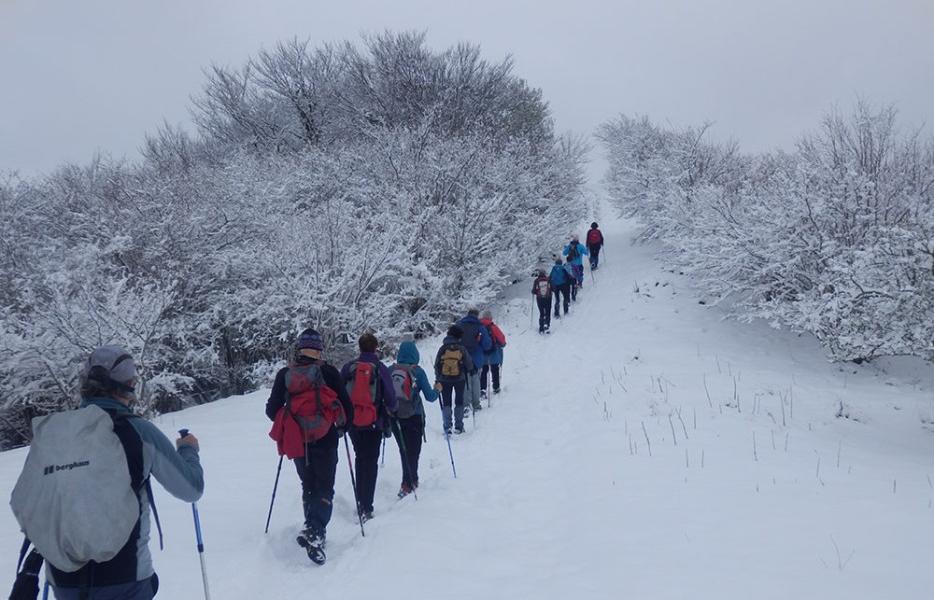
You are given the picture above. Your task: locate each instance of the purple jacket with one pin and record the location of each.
(385, 378)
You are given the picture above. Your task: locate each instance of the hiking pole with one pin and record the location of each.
(353, 483)
(473, 411)
(383, 453)
(532, 314)
(447, 437)
(198, 537)
(45, 590)
(274, 487)
(397, 429)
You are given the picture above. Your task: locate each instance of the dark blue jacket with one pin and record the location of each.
(476, 339)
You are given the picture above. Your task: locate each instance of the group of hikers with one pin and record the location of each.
(313, 405)
(566, 277)
(105, 455)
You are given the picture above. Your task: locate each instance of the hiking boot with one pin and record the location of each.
(313, 541)
(478, 408)
(459, 430)
(404, 490)
(496, 390)
(366, 515)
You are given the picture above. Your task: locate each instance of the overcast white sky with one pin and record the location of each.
(78, 76)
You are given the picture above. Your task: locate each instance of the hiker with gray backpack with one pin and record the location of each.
(410, 383)
(83, 498)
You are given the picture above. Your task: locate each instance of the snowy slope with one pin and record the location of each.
(760, 491)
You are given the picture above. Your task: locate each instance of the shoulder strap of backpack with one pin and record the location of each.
(124, 431)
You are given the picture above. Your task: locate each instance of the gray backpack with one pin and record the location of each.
(76, 499)
(403, 381)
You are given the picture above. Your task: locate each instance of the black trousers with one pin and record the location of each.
(366, 446)
(487, 369)
(594, 256)
(408, 434)
(565, 291)
(544, 312)
(316, 471)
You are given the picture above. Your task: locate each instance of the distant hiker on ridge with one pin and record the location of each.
(575, 253)
(561, 285)
(476, 339)
(594, 245)
(493, 358)
(541, 289)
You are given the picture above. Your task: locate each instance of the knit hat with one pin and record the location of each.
(311, 340)
(111, 366)
(487, 315)
(473, 310)
(593, 225)
(557, 260)
(455, 331)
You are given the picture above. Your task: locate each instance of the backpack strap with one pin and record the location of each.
(23, 551)
(124, 431)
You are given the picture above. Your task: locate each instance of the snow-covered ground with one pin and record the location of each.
(603, 470)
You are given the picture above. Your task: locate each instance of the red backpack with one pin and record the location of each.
(311, 409)
(542, 287)
(363, 388)
(594, 237)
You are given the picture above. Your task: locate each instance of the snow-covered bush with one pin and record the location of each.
(835, 238)
(383, 186)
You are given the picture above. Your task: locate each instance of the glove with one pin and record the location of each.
(188, 440)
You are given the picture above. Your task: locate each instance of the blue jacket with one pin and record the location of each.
(581, 253)
(476, 339)
(559, 276)
(408, 355)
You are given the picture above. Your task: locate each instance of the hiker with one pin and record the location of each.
(575, 253)
(410, 383)
(541, 289)
(571, 270)
(594, 244)
(309, 408)
(452, 364)
(561, 286)
(98, 503)
(492, 359)
(369, 384)
(476, 339)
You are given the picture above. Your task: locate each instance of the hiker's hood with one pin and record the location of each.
(408, 354)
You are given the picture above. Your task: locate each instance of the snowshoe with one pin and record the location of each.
(366, 515)
(313, 543)
(404, 490)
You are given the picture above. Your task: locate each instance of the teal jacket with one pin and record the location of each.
(408, 355)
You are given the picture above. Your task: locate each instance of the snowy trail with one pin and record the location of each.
(557, 493)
